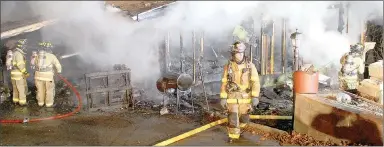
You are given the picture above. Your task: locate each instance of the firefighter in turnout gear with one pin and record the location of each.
(43, 62)
(352, 66)
(15, 61)
(240, 90)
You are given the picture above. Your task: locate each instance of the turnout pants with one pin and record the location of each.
(45, 92)
(238, 117)
(19, 91)
(349, 83)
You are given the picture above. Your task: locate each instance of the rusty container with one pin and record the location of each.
(167, 82)
(305, 82)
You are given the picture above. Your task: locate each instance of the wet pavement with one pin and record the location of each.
(127, 127)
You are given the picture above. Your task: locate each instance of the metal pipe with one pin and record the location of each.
(194, 55)
(296, 55)
(284, 45)
(272, 49)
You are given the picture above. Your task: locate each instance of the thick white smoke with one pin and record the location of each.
(106, 38)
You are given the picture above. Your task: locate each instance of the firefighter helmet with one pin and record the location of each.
(357, 48)
(238, 47)
(22, 44)
(47, 46)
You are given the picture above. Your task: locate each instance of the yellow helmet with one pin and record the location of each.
(47, 46)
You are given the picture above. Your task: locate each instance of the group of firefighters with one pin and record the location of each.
(240, 87)
(42, 62)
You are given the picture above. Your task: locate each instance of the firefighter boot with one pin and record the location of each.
(230, 140)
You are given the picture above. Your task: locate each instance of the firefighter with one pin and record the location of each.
(15, 61)
(240, 90)
(43, 64)
(352, 66)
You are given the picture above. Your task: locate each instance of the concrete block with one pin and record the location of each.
(323, 119)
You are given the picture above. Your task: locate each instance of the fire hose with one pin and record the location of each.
(56, 116)
(212, 124)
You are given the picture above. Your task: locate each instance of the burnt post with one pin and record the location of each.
(283, 46)
(182, 56)
(272, 64)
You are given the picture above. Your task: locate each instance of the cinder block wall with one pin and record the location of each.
(324, 119)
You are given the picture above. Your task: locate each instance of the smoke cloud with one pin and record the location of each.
(104, 38)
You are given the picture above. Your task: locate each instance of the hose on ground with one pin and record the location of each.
(56, 116)
(215, 123)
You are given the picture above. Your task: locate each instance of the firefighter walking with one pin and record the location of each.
(16, 63)
(43, 62)
(240, 90)
(352, 65)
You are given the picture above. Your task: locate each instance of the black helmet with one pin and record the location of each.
(22, 44)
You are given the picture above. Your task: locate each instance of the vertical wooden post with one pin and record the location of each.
(261, 47)
(167, 52)
(267, 51)
(181, 53)
(194, 55)
(283, 47)
(272, 49)
(262, 55)
(363, 31)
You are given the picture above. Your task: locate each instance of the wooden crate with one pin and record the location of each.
(111, 89)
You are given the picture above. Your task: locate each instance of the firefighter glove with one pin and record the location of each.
(26, 74)
(223, 103)
(255, 101)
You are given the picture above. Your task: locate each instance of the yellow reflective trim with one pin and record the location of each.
(242, 125)
(48, 105)
(43, 79)
(15, 99)
(254, 93)
(235, 136)
(40, 104)
(45, 73)
(238, 101)
(224, 80)
(13, 78)
(23, 70)
(16, 73)
(22, 102)
(223, 95)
